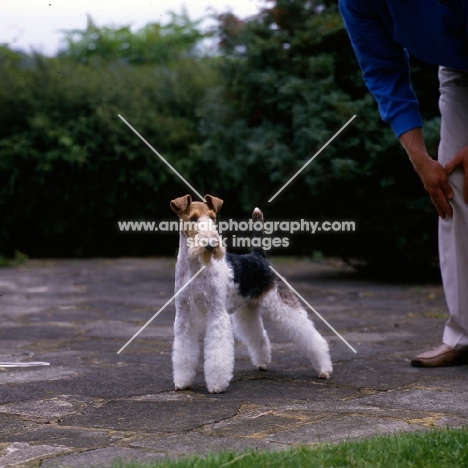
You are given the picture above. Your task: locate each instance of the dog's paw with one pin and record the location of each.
(324, 374)
(217, 389)
(263, 367)
(180, 388)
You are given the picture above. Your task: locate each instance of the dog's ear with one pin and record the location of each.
(213, 203)
(179, 205)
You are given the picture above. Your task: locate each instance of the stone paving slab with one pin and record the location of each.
(92, 405)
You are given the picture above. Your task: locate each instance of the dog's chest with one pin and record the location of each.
(211, 287)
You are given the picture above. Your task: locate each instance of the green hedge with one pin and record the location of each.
(238, 125)
(291, 81)
(70, 168)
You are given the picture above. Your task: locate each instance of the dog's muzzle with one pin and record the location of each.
(210, 247)
(206, 245)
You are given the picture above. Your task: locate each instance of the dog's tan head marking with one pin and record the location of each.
(191, 213)
(213, 203)
(181, 204)
(188, 210)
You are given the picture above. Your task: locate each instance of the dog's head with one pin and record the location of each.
(198, 224)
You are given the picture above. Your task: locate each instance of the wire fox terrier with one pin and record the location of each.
(229, 297)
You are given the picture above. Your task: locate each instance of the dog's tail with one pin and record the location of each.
(257, 232)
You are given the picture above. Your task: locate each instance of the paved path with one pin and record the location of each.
(92, 405)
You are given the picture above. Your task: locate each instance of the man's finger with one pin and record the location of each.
(464, 155)
(445, 207)
(440, 211)
(453, 163)
(461, 159)
(441, 203)
(447, 188)
(465, 187)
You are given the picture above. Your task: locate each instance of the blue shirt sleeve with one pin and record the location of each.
(384, 64)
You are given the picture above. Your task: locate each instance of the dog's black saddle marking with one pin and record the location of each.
(252, 274)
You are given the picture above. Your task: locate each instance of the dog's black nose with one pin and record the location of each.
(210, 247)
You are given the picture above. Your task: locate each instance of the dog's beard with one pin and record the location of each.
(198, 247)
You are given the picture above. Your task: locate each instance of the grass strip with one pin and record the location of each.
(438, 448)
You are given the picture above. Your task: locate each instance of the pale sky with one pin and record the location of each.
(26, 24)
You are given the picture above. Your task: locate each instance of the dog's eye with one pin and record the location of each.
(194, 218)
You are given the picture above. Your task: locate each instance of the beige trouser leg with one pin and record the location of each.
(453, 232)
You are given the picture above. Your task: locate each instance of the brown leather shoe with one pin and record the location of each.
(444, 355)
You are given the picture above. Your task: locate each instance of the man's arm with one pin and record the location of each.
(432, 174)
(384, 64)
(386, 73)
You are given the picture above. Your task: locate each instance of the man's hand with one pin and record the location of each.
(433, 175)
(435, 181)
(461, 159)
